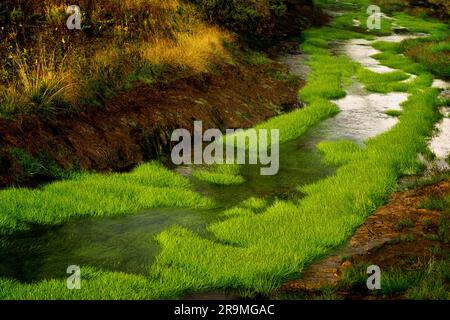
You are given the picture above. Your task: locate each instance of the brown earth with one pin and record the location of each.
(378, 241)
(136, 125)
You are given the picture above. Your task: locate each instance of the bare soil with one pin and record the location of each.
(135, 126)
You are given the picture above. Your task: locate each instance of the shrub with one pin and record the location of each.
(242, 15)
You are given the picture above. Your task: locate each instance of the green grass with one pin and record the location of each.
(95, 285)
(257, 58)
(346, 21)
(391, 47)
(430, 26)
(442, 204)
(393, 81)
(422, 284)
(425, 283)
(394, 113)
(407, 223)
(432, 51)
(438, 203)
(287, 236)
(247, 208)
(339, 152)
(148, 186)
(329, 80)
(396, 61)
(37, 166)
(225, 175)
(382, 83)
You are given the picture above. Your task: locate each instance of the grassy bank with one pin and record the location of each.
(426, 283)
(47, 68)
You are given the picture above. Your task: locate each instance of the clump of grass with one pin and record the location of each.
(220, 174)
(424, 283)
(37, 166)
(12, 102)
(247, 208)
(43, 86)
(339, 152)
(432, 237)
(317, 41)
(330, 76)
(257, 58)
(407, 238)
(356, 276)
(391, 47)
(431, 26)
(255, 204)
(382, 83)
(346, 22)
(397, 61)
(403, 224)
(55, 15)
(437, 203)
(121, 286)
(296, 123)
(148, 186)
(189, 50)
(394, 113)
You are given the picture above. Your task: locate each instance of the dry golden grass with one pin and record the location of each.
(42, 85)
(132, 37)
(189, 50)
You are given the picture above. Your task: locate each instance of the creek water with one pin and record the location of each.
(440, 143)
(127, 243)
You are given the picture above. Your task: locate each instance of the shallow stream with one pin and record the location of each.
(127, 243)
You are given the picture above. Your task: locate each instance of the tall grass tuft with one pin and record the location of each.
(43, 86)
(188, 50)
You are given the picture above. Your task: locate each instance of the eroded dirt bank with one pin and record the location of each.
(136, 125)
(402, 235)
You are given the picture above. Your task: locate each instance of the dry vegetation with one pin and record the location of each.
(435, 8)
(121, 42)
